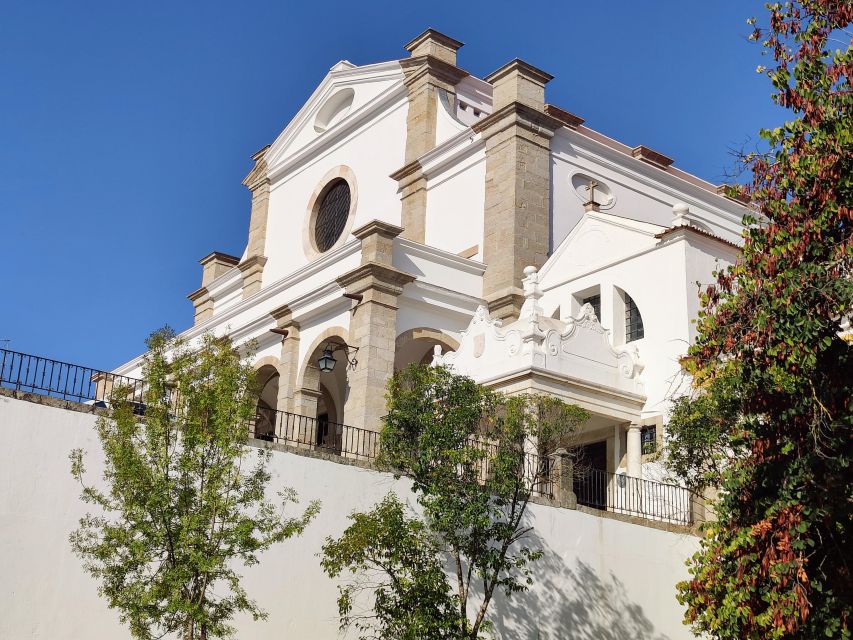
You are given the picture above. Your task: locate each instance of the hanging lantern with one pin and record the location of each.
(327, 360)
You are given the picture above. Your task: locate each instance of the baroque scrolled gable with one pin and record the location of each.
(574, 352)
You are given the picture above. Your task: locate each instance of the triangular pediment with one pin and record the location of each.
(597, 239)
(346, 97)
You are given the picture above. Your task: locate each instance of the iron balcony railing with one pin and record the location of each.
(43, 376)
(315, 433)
(594, 488)
(624, 494)
(534, 468)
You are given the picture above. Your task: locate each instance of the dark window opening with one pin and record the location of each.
(332, 215)
(633, 320)
(648, 438)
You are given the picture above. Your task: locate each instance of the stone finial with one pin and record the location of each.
(518, 81)
(436, 44)
(680, 213)
(530, 282)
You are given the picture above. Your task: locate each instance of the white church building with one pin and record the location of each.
(414, 213)
(411, 212)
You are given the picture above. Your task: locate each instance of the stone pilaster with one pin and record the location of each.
(259, 184)
(203, 304)
(373, 325)
(518, 182)
(252, 269)
(431, 75)
(288, 368)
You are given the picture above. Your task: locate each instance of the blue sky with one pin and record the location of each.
(126, 128)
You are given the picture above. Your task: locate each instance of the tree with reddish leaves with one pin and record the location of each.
(772, 365)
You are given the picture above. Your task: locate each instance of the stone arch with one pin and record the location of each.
(416, 345)
(268, 379)
(305, 376)
(321, 396)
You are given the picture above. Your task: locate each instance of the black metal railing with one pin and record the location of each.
(315, 433)
(43, 376)
(534, 468)
(594, 488)
(633, 496)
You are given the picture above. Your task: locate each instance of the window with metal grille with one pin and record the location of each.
(332, 215)
(648, 438)
(633, 320)
(595, 302)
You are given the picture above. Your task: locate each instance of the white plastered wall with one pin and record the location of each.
(372, 153)
(655, 280)
(598, 578)
(455, 205)
(640, 191)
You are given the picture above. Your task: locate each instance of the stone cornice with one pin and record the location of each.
(420, 67)
(258, 175)
(217, 256)
(373, 275)
(198, 295)
(384, 229)
(435, 36)
(254, 262)
(522, 68)
(283, 316)
(517, 114)
(413, 171)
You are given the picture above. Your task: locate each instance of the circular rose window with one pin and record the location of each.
(332, 214)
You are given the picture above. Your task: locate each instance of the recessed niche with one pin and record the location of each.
(334, 110)
(587, 188)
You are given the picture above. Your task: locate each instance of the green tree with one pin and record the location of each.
(182, 502)
(474, 457)
(770, 422)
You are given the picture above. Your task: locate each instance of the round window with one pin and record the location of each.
(332, 214)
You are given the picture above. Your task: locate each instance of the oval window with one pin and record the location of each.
(332, 214)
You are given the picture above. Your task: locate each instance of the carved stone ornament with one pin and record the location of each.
(578, 349)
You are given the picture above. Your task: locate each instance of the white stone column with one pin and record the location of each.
(635, 451)
(617, 447)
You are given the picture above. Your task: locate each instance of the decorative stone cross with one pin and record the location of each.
(591, 189)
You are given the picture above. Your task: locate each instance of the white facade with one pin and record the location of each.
(647, 233)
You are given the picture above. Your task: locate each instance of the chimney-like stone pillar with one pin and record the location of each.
(518, 183)
(430, 71)
(213, 265)
(373, 324)
(259, 184)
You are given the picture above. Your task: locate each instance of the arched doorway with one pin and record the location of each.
(266, 421)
